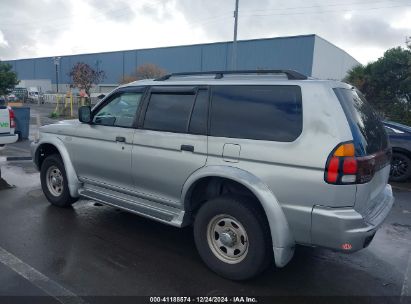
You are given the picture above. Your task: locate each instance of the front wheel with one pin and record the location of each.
(54, 182)
(233, 237)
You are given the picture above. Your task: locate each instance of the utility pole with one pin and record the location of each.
(234, 52)
(57, 63)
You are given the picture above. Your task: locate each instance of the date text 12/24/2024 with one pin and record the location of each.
(205, 299)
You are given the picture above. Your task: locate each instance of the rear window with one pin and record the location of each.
(257, 112)
(169, 112)
(367, 130)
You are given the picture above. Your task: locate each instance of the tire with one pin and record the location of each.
(56, 191)
(215, 229)
(400, 167)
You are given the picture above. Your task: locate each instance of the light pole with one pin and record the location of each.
(98, 62)
(234, 53)
(57, 63)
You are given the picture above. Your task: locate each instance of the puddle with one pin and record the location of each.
(14, 176)
(35, 193)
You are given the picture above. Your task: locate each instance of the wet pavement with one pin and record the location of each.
(95, 250)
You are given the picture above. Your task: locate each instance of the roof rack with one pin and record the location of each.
(291, 75)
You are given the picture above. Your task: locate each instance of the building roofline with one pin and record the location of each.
(173, 46)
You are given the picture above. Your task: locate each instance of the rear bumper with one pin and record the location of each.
(6, 139)
(346, 229)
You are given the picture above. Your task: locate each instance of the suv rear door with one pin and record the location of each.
(171, 141)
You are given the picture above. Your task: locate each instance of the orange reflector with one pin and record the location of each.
(346, 246)
(345, 150)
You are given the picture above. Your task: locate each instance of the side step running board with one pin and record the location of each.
(152, 210)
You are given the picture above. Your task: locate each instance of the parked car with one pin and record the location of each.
(256, 161)
(7, 125)
(400, 139)
(11, 98)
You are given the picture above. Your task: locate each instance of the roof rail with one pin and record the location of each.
(291, 75)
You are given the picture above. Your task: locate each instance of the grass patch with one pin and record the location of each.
(54, 115)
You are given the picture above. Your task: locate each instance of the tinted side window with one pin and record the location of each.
(257, 112)
(367, 129)
(198, 123)
(169, 112)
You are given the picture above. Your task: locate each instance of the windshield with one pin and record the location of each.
(367, 130)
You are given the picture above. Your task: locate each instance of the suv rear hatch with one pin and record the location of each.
(371, 146)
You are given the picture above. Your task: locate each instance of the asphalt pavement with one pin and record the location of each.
(94, 250)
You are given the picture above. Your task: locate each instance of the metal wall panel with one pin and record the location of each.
(281, 53)
(112, 64)
(173, 59)
(297, 53)
(130, 62)
(214, 57)
(64, 69)
(44, 67)
(329, 61)
(25, 69)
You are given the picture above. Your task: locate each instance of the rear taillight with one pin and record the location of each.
(12, 121)
(343, 167)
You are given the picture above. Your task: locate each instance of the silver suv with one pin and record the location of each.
(256, 161)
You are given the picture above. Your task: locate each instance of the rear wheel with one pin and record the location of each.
(233, 237)
(54, 182)
(400, 167)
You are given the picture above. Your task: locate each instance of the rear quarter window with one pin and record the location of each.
(271, 113)
(368, 131)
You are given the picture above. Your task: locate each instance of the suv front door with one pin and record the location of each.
(171, 141)
(101, 150)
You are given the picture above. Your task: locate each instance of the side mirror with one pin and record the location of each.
(101, 96)
(84, 114)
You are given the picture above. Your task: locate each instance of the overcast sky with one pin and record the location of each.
(28, 28)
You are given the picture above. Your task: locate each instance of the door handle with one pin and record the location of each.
(120, 139)
(189, 148)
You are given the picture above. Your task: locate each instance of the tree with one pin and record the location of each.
(8, 78)
(85, 77)
(145, 71)
(386, 83)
